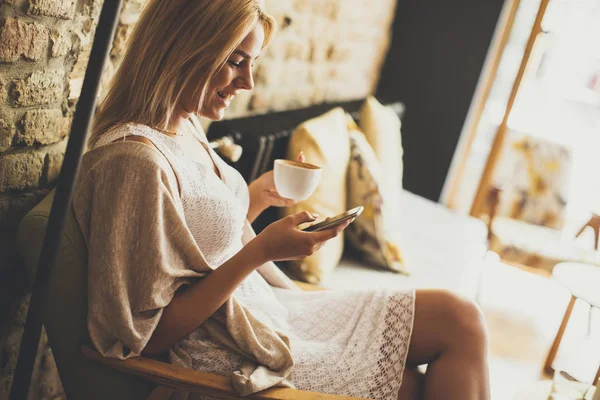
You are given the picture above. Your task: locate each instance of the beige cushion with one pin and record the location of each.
(381, 126)
(365, 179)
(324, 141)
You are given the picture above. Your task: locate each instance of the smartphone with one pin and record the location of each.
(335, 221)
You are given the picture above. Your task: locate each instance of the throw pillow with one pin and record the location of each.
(324, 141)
(381, 126)
(368, 234)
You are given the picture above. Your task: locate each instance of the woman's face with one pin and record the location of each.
(235, 76)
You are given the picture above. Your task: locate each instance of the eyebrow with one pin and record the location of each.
(243, 54)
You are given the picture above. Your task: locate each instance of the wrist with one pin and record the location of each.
(255, 253)
(256, 201)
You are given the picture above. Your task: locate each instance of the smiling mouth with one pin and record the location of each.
(225, 98)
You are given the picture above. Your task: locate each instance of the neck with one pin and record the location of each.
(176, 124)
(178, 119)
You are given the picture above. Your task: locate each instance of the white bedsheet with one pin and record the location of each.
(442, 249)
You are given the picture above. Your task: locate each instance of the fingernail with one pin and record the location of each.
(315, 215)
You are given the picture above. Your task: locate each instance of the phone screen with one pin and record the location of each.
(333, 222)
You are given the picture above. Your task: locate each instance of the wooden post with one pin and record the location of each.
(554, 349)
(501, 132)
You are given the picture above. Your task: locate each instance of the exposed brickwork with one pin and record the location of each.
(20, 171)
(53, 162)
(39, 88)
(61, 43)
(326, 50)
(40, 41)
(62, 9)
(7, 131)
(20, 39)
(120, 43)
(42, 127)
(3, 93)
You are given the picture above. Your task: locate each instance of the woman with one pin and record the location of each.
(174, 266)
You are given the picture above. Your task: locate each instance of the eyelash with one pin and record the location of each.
(238, 65)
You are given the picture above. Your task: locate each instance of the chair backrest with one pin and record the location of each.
(65, 312)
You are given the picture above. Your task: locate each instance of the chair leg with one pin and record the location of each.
(597, 377)
(161, 393)
(594, 223)
(554, 349)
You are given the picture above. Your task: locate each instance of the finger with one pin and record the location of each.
(300, 157)
(344, 226)
(283, 203)
(332, 232)
(275, 193)
(279, 201)
(326, 234)
(301, 217)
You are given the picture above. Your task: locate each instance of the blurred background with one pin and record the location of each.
(502, 123)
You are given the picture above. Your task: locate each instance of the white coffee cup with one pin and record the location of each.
(295, 180)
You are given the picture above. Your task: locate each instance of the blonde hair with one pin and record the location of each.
(171, 41)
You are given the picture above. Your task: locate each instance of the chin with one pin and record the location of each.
(215, 114)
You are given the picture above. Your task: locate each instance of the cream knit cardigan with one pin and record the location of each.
(140, 252)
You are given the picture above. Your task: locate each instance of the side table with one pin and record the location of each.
(583, 281)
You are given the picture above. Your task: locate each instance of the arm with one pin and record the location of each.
(257, 204)
(196, 303)
(192, 306)
(263, 194)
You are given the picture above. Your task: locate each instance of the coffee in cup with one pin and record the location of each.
(296, 180)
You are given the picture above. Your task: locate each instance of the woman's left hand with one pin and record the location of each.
(263, 194)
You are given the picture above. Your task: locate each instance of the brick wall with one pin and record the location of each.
(326, 50)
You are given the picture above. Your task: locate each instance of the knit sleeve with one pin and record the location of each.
(140, 251)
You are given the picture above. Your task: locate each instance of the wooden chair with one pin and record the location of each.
(84, 373)
(594, 224)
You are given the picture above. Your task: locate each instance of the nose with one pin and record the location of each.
(245, 80)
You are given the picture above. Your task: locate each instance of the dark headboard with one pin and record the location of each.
(264, 138)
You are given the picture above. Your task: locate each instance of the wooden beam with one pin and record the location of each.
(500, 137)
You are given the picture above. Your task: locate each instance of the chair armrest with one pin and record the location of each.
(189, 380)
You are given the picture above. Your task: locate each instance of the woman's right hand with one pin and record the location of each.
(282, 240)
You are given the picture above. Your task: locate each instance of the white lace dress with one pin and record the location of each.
(350, 343)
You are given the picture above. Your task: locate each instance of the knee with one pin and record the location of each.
(467, 321)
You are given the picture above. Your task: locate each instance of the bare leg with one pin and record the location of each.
(449, 335)
(412, 385)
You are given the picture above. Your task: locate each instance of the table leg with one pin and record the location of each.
(554, 349)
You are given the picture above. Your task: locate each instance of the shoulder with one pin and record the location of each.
(125, 160)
